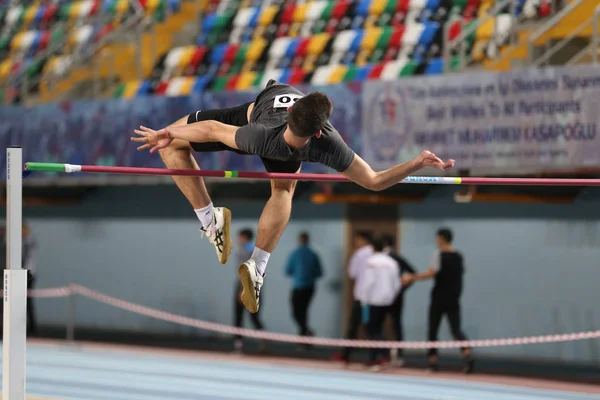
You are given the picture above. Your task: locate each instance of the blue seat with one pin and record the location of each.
(432, 6)
(435, 67)
(201, 83)
(363, 73)
(144, 88)
(428, 34)
(362, 8)
(218, 53)
(356, 42)
(175, 5)
(292, 47)
(285, 76)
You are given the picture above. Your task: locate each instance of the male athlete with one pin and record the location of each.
(283, 127)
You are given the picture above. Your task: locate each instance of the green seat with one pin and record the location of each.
(119, 91)
(220, 83)
(409, 69)
(350, 74)
(258, 79)
(57, 35)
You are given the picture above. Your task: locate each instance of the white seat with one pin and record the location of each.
(174, 86)
(392, 70)
(171, 62)
(243, 17)
(322, 74)
(271, 74)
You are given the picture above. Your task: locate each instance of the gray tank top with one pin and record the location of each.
(263, 136)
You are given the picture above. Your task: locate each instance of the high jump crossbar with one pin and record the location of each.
(435, 180)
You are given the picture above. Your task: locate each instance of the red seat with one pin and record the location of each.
(230, 53)
(339, 9)
(297, 76)
(161, 88)
(375, 72)
(198, 56)
(232, 82)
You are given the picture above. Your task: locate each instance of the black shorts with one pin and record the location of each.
(237, 116)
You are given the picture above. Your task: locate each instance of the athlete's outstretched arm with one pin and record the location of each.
(360, 172)
(198, 132)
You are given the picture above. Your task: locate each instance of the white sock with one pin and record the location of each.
(205, 215)
(261, 258)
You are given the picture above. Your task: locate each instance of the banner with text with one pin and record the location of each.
(529, 119)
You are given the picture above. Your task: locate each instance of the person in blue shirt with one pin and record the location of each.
(304, 267)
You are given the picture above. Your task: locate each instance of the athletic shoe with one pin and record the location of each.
(469, 367)
(433, 367)
(252, 282)
(340, 357)
(219, 234)
(238, 345)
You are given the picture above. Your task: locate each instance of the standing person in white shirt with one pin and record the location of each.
(380, 284)
(357, 264)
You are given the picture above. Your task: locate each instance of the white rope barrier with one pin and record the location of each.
(288, 338)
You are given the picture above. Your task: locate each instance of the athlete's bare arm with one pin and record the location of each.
(198, 132)
(361, 173)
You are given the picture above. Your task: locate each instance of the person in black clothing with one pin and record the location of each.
(395, 310)
(447, 267)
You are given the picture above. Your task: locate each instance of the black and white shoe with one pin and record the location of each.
(219, 233)
(252, 282)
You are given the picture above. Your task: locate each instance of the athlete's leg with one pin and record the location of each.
(275, 215)
(272, 223)
(179, 156)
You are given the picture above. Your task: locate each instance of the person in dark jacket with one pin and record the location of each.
(447, 268)
(395, 310)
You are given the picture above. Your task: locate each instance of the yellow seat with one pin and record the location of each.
(17, 40)
(377, 7)
(300, 12)
(255, 49)
(339, 71)
(267, 15)
(131, 89)
(478, 51)
(75, 10)
(371, 38)
(30, 14)
(5, 67)
(186, 56)
(485, 30)
(317, 43)
(246, 80)
(151, 6)
(122, 6)
(187, 84)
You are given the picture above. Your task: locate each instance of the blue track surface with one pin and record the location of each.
(95, 374)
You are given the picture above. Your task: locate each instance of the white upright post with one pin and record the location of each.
(15, 283)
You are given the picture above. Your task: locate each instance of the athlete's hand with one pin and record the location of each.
(151, 139)
(428, 159)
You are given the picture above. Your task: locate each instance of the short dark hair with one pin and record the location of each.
(445, 234)
(365, 235)
(388, 240)
(378, 244)
(247, 233)
(304, 237)
(309, 114)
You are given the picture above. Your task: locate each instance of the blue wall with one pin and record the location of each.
(164, 262)
(531, 269)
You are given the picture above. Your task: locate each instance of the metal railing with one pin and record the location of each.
(545, 28)
(458, 44)
(594, 46)
(513, 39)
